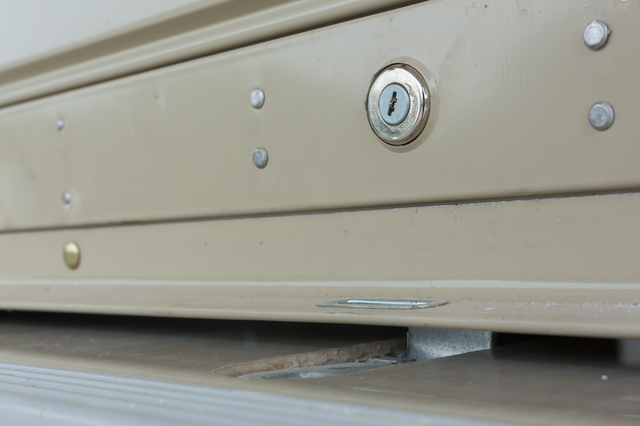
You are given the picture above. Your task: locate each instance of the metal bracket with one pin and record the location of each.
(431, 343)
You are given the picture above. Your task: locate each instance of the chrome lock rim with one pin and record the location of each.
(410, 127)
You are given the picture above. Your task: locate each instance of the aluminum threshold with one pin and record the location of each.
(32, 395)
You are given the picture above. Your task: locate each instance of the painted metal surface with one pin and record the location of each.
(31, 29)
(508, 120)
(558, 266)
(176, 144)
(139, 40)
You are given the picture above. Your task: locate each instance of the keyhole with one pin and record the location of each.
(392, 104)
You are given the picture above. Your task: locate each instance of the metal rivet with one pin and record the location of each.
(66, 197)
(257, 98)
(71, 253)
(398, 104)
(595, 34)
(260, 158)
(601, 116)
(59, 125)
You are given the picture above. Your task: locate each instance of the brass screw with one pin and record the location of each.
(71, 253)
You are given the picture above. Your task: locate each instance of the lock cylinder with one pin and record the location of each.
(398, 104)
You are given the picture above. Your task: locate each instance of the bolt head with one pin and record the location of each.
(66, 197)
(260, 158)
(59, 125)
(256, 98)
(71, 254)
(394, 104)
(601, 116)
(595, 35)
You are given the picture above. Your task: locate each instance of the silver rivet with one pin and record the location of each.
(257, 98)
(601, 116)
(59, 125)
(595, 34)
(66, 197)
(260, 158)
